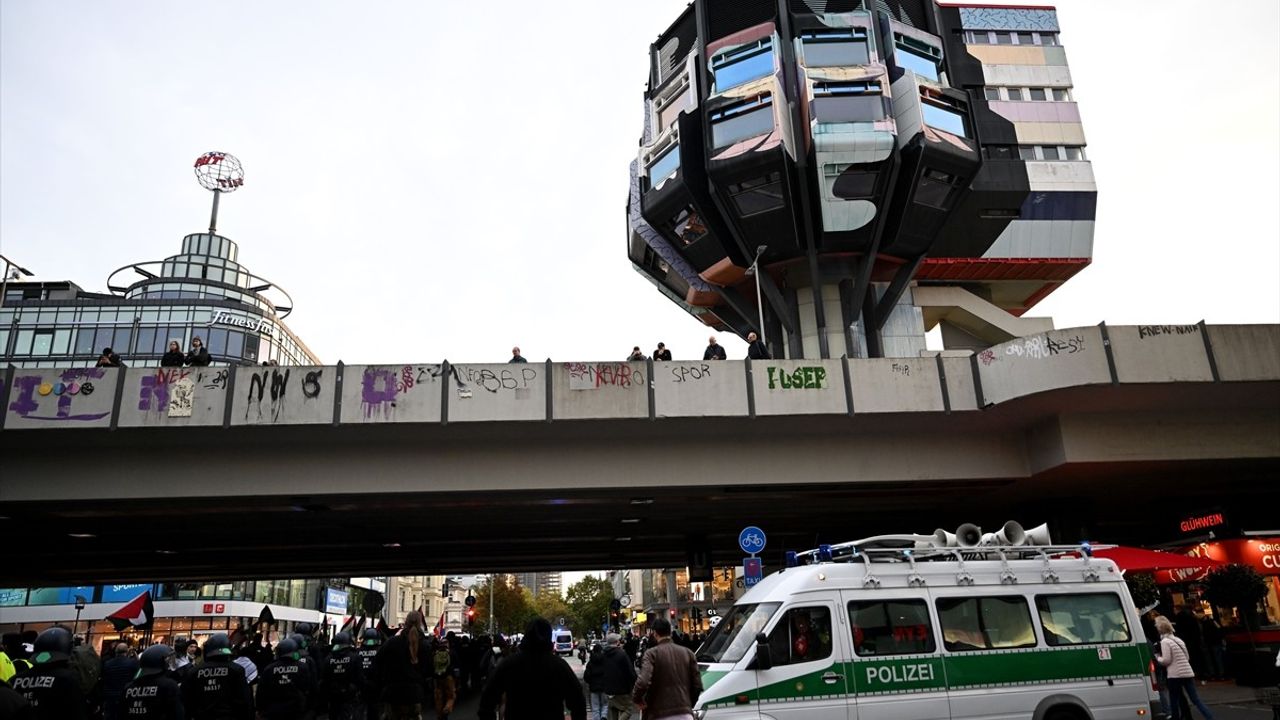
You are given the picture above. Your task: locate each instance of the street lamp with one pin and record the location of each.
(755, 269)
(11, 272)
(80, 602)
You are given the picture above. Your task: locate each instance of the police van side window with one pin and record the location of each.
(985, 623)
(803, 634)
(1082, 619)
(891, 627)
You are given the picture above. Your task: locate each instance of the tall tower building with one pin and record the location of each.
(842, 175)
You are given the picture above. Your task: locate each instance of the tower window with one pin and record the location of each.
(742, 64)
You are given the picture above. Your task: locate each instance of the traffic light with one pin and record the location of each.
(471, 615)
(673, 613)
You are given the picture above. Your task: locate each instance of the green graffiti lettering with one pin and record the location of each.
(820, 376)
(771, 371)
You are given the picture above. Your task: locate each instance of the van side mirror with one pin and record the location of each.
(764, 658)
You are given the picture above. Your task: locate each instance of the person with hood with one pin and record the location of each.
(617, 678)
(198, 356)
(342, 679)
(109, 359)
(402, 666)
(52, 686)
(216, 689)
(537, 683)
(116, 674)
(154, 694)
(173, 357)
(286, 686)
(597, 700)
(444, 663)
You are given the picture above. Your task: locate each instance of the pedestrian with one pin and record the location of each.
(445, 688)
(1215, 648)
(662, 353)
(516, 357)
(756, 349)
(402, 666)
(173, 357)
(342, 678)
(287, 685)
(52, 686)
(216, 689)
(117, 671)
(371, 640)
(108, 358)
(592, 676)
(1182, 679)
(618, 678)
(198, 356)
(669, 682)
(1187, 625)
(536, 682)
(154, 694)
(636, 355)
(714, 350)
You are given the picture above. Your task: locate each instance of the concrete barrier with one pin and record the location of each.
(695, 388)
(174, 397)
(283, 395)
(497, 392)
(391, 393)
(799, 387)
(1246, 352)
(1039, 363)
(961, 391)
(896, 385)
(588, 390)
(59, 398)
(1159, 353)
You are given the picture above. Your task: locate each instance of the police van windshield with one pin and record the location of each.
(736, 633)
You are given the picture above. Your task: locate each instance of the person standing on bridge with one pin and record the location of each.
(714, 351)
(756, 349)
(536, 682)
(636, 355)
(516, 357)
(662, 353)
(199, 354)
(669, 682)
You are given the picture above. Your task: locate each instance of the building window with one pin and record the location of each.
(1049, 152)
(742, 120)
(848, 102)
(1048, 38)
(1027, 152)
(1037, 94)
(943, 117)
(743, 64)
(835, 48)
(760, 195)
(665, 166)
(1004, 38)
(1025, 38)
(999, 152)
(1075, 153)
(850, 184)
(916, 56)
(1060, 95)
(935, 189)
(1015, 94)
(992, 94)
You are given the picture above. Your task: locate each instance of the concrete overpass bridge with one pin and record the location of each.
(113, 475)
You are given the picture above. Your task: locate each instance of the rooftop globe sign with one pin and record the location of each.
(218, 172)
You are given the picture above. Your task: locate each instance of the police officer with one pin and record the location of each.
(285, 686)
(217, 689)
(372, 640)
(154, 693)
(342, 679)
(51, 686)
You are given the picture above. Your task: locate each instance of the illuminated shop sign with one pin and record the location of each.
(225, 318)
(1202, 522)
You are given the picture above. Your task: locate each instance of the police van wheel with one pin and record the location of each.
(1065, 712)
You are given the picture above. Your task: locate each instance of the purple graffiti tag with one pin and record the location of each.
(157, 387)
(377, 399)
(26, 402)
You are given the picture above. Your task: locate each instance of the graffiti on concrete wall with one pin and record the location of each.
(802, 378)
(34, 394)
(591, 376)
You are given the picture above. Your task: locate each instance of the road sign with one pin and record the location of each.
(470, 601)
(751, 539)
(752, 571)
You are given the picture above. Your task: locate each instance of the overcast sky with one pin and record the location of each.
(443, 180)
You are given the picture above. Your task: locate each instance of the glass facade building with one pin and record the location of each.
(203, 291)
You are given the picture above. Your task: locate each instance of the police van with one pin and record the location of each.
(910, 627)
(563, 641)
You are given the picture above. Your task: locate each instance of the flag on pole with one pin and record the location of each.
(348, 624)
(266, 616)
(439, 631)
(355, 633)
(138, 614)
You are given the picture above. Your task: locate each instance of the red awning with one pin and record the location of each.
(1133, 559)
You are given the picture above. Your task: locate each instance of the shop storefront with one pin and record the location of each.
(1260, 553)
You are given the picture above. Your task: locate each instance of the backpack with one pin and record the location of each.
(440, 662)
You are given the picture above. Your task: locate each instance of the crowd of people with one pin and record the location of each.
(305, 676)
(756, 350)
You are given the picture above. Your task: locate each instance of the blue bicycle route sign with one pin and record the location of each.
(751, 539)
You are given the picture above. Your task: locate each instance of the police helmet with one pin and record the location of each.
(300, 641)
(304, 628)
(371, 636)
(287, 648)
(217, 645)
(156, 659)
(52, 645)
(342, 639)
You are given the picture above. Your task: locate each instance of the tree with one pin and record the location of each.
(588, 602)
(511, 610)
(1236, 586)
(1143, 588)
(550, 607)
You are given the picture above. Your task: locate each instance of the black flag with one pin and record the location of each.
(138, 613)
(266, 616)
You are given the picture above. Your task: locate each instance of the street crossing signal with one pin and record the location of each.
(471, 615)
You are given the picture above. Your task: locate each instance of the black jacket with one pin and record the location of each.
(13, 706)
(217, 690)
(199, 358)
(663, 354)
(53, 689)
(402, 681)
(284, 690)
(112, 360)
(714, 352)
(758, 351)
(343, 674)
(538, 685)
(617, 674)
(173, 358)
(155, 697)
(117, 672)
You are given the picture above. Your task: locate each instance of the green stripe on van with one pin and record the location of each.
(1024, 667)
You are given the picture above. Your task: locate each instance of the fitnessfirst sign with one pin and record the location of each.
(225, 318)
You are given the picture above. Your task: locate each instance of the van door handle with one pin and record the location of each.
(831, 678)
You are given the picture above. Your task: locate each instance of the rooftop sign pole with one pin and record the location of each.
(218, 172)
